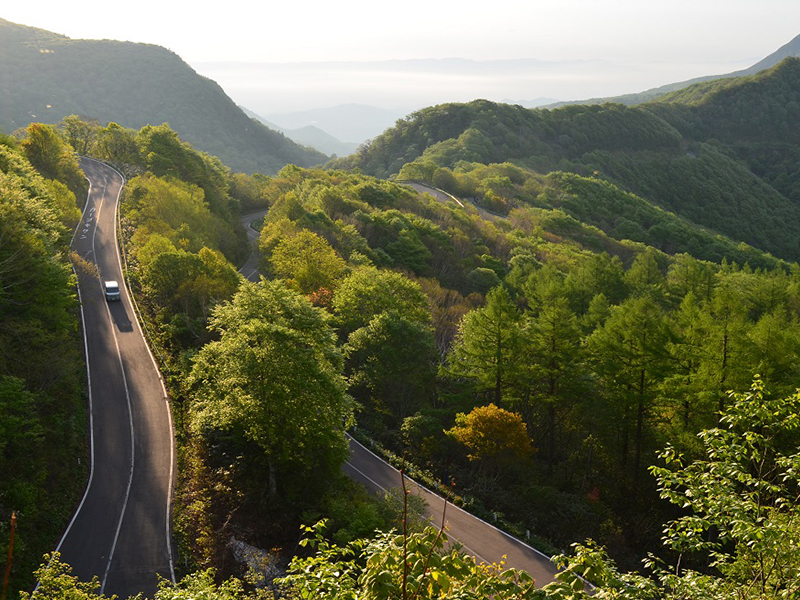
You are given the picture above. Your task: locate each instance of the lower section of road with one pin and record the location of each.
(484, 541)
(121, 532)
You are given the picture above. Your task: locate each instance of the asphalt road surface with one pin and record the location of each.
(250, 268)
(482, 540)
(121, 531)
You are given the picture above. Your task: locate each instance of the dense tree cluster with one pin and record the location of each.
(711, 153)
(602, 356)
(41, 366)
(535, 344)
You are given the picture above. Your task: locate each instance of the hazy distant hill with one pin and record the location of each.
(786, 51)
(310, 135)
(724, 154)
(347, 122)
(45, 77)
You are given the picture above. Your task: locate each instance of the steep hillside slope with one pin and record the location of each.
(45, 77)
(722, 154)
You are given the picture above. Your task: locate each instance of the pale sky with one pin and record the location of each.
(636, 44)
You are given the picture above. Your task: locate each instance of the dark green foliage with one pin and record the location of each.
(43, 77)
(393, 359)
(721, 154)
(41, 366)
(274, 379)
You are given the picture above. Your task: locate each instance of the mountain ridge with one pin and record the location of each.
(790, 49)
(310, 135)
(726, 160)
(44, 77)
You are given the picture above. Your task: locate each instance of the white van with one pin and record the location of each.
(111, 290)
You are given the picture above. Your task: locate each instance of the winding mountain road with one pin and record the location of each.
(121, 531)
(484, 541)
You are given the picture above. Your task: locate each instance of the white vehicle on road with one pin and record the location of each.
(111, 290)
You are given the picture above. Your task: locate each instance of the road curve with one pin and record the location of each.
(121, 531)
(480, 539)
(250, 268)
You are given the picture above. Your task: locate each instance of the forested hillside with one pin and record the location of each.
(589, 335)
(45, 77)
(582, 351)
(43, 460)
(720, 154)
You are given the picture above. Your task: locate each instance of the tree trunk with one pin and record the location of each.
(639, 432)
(273, 484)
(724, 374)
(551, 436)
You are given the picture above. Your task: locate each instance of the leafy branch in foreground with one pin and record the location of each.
(744, 499)
(743, 515)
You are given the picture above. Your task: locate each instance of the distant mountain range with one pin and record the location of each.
(45, 77)
(310, 135)
(353, 123)
(790, 49)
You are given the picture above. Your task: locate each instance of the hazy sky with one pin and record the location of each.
(635, 43)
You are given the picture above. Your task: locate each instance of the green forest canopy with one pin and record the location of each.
(606, 325)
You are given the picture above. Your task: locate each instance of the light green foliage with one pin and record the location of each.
(80, 134)
(174, 209)
(118, 145)
(645, 277)
(687, 274)
(202, 585)
(418, 565)
(724, 346)
(271, 234)
(165, 155)
(307, 262)
(64, 201)
(56, 582)
(52, 157)
(176, 248)
(182, 282)
(709, 154)
(274, 377)
(744, 488)
(368, 292)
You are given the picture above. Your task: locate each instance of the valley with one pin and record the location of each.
(580, 325)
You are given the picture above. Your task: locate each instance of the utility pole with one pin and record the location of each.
(10, 554)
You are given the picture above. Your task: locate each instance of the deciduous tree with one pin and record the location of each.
(307, 262)
(395, 360)
(275, 376)
(368, 292)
